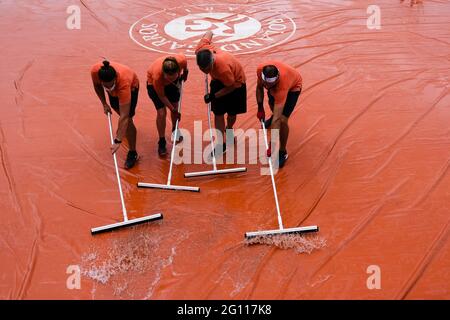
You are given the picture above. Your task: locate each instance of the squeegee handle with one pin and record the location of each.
(124, 210)
(209, 125)
(172, 155)
(280, 221)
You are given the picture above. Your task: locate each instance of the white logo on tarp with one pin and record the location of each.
(226, 26)
(237, 29)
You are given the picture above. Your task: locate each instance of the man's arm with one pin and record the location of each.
(224, 91)
(100, 92)
(167, 103)
(101, 95)
(260, 97)
(228, 80)
(261, 115)
(123, 121)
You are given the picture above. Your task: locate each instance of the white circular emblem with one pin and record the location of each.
(238, 29)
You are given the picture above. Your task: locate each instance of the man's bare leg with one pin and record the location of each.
(284, 133)
(131, 135)
(161, 122)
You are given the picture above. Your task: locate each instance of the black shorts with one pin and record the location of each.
(114, 102)
(233, 103)
(171, 91)
(290, 104)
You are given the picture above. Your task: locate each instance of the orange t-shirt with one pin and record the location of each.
(155, 74)
(226, 67)
(290, 80)
(126, 81)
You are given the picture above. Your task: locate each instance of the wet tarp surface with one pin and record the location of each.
(369, 156)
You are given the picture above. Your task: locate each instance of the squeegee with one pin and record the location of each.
(168, 185)
(126, 222)
(281, 230)
(215, 170)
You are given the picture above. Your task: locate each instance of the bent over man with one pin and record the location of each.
(284, 85)
(122, 86)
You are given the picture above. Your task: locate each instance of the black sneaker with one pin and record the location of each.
(282, 158)
(162, 150)
(268, 122)
(132, 158)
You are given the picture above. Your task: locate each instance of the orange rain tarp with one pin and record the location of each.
(369, 156)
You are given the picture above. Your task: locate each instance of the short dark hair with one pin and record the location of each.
(204, 58)
(270, 71)
(106, 72)
(170, 65)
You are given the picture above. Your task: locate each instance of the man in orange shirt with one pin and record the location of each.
(283, 84)
(228, 92)
(122, 86)
(163, 87)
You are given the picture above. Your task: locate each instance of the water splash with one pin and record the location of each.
(131, 253)
(300, 243)
(131, 262)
